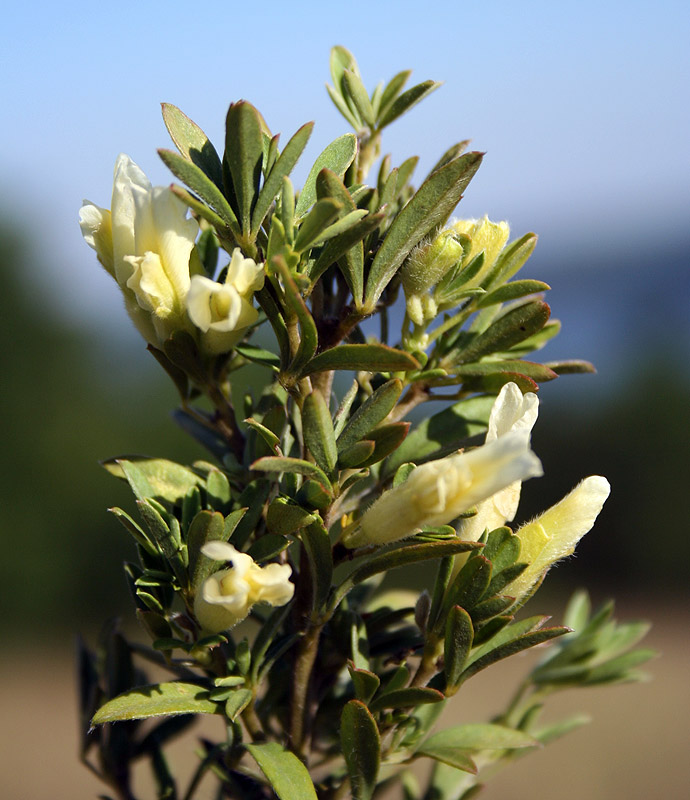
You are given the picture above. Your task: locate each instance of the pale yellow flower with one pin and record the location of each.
(438, 492)
(226, 597)
(145, 242)
(511, 411)
(554, 534)
(487, 237)
(221, 311)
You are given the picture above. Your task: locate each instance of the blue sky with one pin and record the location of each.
(582, 107)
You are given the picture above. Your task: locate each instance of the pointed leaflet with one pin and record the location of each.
(192, 142)
(370, 413)
(443, 433)
(281, 169)
(317, 428)
(457, 646)
(479, 736)
(506, 331)
(371, 357)
(201, 184)
(430, 206)
(285, 772)
(243, 156)
(159, 699)
(405, 102)
(337, 157)
(153, 477)
(318, 546)
(361, 746)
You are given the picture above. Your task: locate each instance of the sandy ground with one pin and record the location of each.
(635, 748)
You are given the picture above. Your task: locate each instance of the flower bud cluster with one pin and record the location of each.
(146, 242)
(226, 597)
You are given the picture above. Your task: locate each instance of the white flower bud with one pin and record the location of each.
(438, 492)
(226, 597)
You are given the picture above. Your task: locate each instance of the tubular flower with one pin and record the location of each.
(221, 311)
(145, 242)
(554, 534)
(511, 411)
(226, 597)
(438, 492)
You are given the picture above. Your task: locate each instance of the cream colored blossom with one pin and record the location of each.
(145, 242)
(511, 411)
(438, 492)
(226, 597)
(554, 534)
(487, 237)
(221, 311)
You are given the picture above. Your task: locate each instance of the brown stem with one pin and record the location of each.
(304, 665)
(416, 394)
(225, 420)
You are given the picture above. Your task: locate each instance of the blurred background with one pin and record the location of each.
(583, 112)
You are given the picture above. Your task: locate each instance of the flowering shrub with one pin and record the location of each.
(258, 570)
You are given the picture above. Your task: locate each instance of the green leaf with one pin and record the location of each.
(354, 88)
(309, 335)
(192, 142)
(470, 583)
(268, 546)
(512, 291)
(571, 367)
(266, 434)
(372, 412)
(317, 220)
(511, 260)
(252, 499)
(442, 433)
(348, 251)
(506, 331)
(281, 169)
(235, 704)
(407, 698)
(137, 532)
(386, 438)
(371, 357)
(207, 526)
(287, 775)
(488, 654)
(243, 156)
(318, 546)
(393, 88)
(429, 207)
(156, 478)
(458, 643)
(337, 157)
(536, 372)
(317, 428)
(199, 182)
(480, 736)
(342, 106)
(405, 102)
(453, 756)
(258, 355)
(156, 700)
(361, 746)
(402, 556)
(366, 683)
(284, 517)
(356, 454)
(294, 465)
